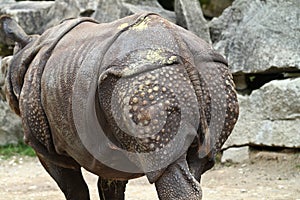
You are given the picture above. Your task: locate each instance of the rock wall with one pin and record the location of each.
(10, 126)
(257, 36)
(270, 116)
(189, 15)
(260, 39)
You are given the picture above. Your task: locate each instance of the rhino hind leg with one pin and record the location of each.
(111, 189)
(178, 183)
(70, 181)
(198, 165)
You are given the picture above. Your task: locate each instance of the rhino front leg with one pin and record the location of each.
(178, 183)
(111, 189)
(70, 181)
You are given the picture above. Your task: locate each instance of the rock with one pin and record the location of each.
(32, 16)
(11, 131)
(270, 116)
(111, 10)
(86, 7)
(3, 69)
(130, 7)
(235, 154)
(36, 16)
(108, 11)
(257, 35)
(189, 15)
(64, 9)
(10, 124)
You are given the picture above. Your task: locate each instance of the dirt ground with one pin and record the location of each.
(266, 176)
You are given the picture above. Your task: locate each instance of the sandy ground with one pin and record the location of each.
(266, 176)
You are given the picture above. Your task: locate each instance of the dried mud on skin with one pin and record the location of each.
(266, 176)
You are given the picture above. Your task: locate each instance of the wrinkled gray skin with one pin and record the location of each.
(40, 88)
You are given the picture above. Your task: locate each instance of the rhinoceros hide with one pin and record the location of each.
(63, 82)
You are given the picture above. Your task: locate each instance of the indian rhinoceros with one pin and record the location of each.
(137, 96)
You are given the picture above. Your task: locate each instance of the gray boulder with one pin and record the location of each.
(108, 11)
(11, 131)
(235, 154)
(85, 7)
(64, 9)
(3, 68)
(270, 116)
(10, 124)
(130, 7)
(31, 15)
(256, 36)
(36, 16)
(111, 10)
(189, 15)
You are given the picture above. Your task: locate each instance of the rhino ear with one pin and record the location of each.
(11, 32)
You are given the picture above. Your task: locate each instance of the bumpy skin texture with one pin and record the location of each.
(161, 64)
